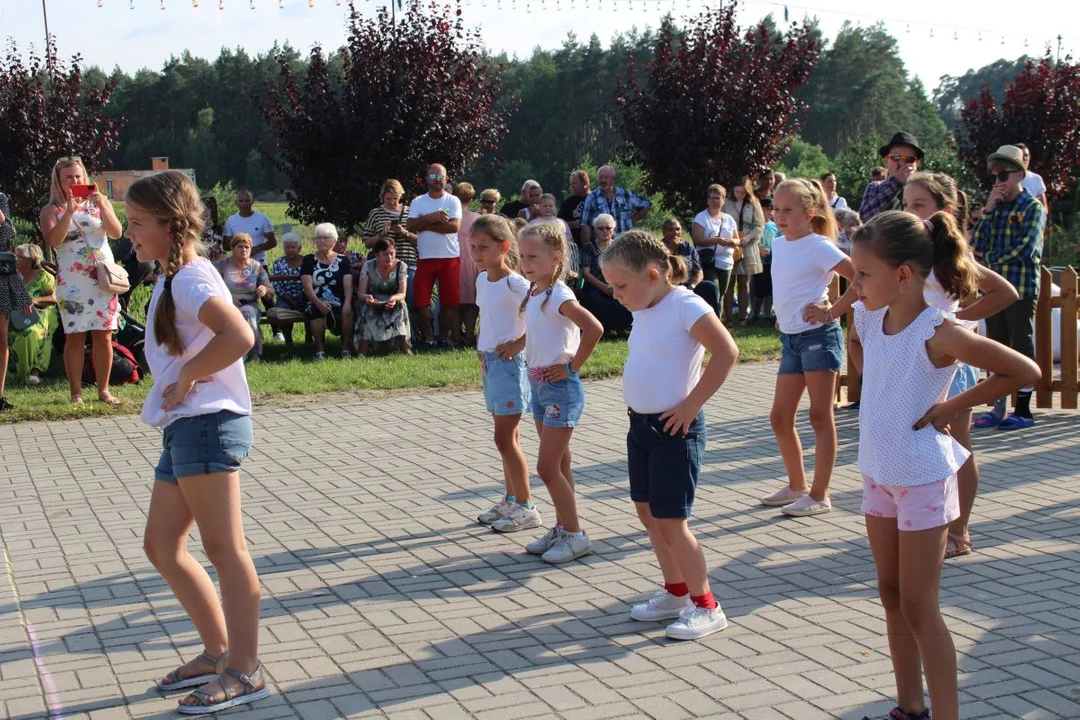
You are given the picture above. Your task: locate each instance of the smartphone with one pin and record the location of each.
(83, 191)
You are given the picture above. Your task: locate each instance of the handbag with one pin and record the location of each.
(111, 278)
(19, 319)
(737, 255)
(7, 263)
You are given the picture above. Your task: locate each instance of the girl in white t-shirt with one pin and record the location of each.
(908, 351)
(665, 391)
(716, 235)
(500, 291)
(804, 260)
(560, 335)
(924, 195)
(195, 341)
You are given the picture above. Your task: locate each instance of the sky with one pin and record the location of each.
(935, 38)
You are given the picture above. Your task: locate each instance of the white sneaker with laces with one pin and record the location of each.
(519, 518)
(662, 606)
(542, 544)
(696, 623)
(498, 510)
(279, 336)
(568, 547)
(806, 506)
(784, 496)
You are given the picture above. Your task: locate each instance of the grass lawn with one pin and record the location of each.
(282, 380)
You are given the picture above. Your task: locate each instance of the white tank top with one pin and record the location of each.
(936, 297)
(899, 385)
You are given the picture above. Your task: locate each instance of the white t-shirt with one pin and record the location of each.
(836, 203)
(550, 337)
(256, 225)
(1033, 183)
(501, 319)
(664, 363)
(227, 389)
(430, 244)
(802, 270)
(721, 227)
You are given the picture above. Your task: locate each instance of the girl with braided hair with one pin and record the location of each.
(195, 341)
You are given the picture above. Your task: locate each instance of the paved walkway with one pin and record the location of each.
(381, 597)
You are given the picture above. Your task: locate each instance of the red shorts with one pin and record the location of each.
(447, 271)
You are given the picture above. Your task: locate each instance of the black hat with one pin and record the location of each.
(902, 138)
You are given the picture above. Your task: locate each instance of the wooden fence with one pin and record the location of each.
(1064, 383)
(848, 382)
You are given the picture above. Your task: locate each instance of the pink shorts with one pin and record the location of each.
(915, 507)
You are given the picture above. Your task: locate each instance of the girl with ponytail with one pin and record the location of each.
(195, 341)
(924, 195)
(908, 352)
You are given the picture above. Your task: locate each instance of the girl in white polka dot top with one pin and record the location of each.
(908, 352)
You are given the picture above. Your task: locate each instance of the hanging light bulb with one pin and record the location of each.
(194, 3)
(162, 4)
(1025, 42)
(101, 3)
(311, 3)
(980, 36)
(931, 33)
(1002, 39)
(131, 5)
(337, 2)
(955, 35)
(908, 29)
(220, 4)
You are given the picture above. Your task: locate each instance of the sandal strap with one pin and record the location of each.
(205, 699)
(207, 659)
(248, 680)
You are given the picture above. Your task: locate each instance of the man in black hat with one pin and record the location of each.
(902, 156)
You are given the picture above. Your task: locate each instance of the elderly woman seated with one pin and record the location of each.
(289, 300)
(32, 347)
(383, 319)
(248, 281)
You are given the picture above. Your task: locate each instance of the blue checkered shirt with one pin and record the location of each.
(623, 206)
(1010, 240)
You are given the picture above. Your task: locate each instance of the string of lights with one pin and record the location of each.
(942, 31)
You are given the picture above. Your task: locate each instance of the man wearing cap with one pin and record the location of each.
(902, 156)
(1009, 239)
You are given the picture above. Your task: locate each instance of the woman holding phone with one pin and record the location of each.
(387, 222)
(78, 222)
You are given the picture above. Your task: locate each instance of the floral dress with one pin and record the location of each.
(83, 305)
(32, 348)
(375, 323)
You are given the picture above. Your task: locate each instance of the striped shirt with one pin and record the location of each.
(406, 251)
(1010, 240)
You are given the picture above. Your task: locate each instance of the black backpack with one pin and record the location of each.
(125, 369)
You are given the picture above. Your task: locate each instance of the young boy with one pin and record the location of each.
(762, 281)
(1009, 239)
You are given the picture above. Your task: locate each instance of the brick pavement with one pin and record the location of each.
(381, 599)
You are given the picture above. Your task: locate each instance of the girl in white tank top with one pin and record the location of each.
(908, 352)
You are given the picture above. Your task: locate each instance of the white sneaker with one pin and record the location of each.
(498, 510)
(33, 380)
(519, 518)
(320, 356)
(542, 544)
(568, 547)
(662, 606)
(784, 496)
(696, 623)
(806, 506)
(279, 336)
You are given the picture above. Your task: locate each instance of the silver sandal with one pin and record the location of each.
(251, 693)
(176, 681)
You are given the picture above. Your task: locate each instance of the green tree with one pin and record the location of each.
(953, 93)
(804, 160)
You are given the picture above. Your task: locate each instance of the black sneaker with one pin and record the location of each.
(5, 405)
(897, 714)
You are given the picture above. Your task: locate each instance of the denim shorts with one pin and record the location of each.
(664, 469)
(821, 348)
(204, 444)
(506, 383)
(557, 404)
(966, 377)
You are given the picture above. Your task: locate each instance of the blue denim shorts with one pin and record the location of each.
(966, 377)
(557, 404)
(815, 350)
(204, 444)
(663, 469)
(506, 383)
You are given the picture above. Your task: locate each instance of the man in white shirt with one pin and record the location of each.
(1033, 181)
(435, 218)
(252, 222)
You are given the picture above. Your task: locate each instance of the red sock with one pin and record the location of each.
(677, 589)
(706, 601)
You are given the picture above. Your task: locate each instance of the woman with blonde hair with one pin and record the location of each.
(78, 223)
(32, 346)
(745, 207)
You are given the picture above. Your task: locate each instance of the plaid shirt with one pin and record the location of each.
(623, 207)
(1010, 240)
(881, 196)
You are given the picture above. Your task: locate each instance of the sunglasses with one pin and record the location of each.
(906, 159)
(1003, 175)
(69, 159)
(436, 176)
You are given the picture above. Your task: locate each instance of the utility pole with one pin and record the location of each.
(48, 44)
(1059, 48)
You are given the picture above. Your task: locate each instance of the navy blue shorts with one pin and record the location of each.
(204, 445)
(664, 469)
(819, 349)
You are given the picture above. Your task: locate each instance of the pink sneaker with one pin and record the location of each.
(784, 496)
(806, 506)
